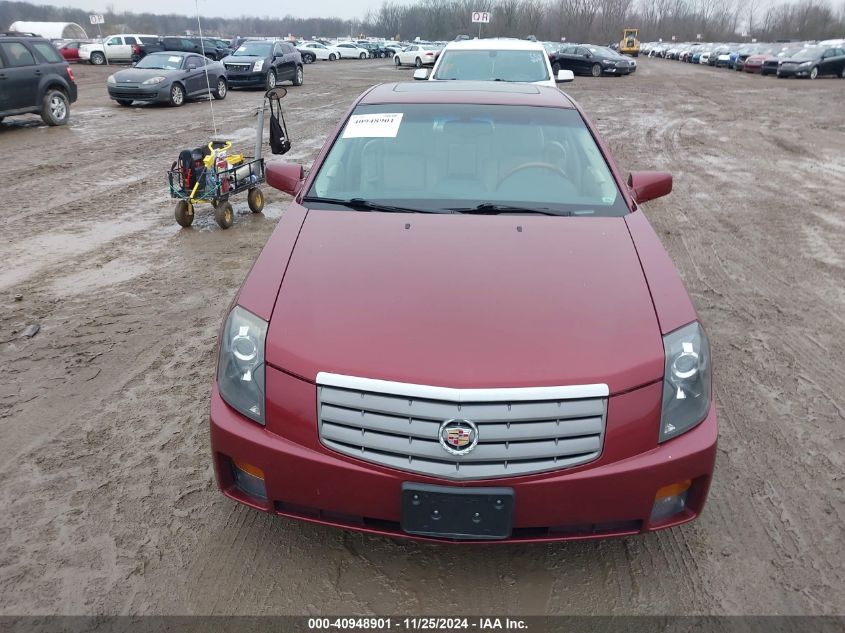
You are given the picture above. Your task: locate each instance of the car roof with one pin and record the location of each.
(495, 43)
(473, 92)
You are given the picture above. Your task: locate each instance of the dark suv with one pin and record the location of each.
(264, 63)
(34, 79)
(200, 46)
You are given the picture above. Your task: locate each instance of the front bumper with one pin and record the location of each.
(612, 496)
(158, 93)
(242, 80)
(793, 72)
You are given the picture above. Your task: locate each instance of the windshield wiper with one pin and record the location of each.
(489, 208)
(359, 204)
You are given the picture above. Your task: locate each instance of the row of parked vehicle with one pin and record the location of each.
(782, 59)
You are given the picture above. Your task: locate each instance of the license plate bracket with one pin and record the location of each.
(457, 513)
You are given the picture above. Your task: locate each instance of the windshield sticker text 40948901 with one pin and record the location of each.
(381, 125)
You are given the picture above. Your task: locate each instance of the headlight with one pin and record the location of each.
(153, 80)
(608, 61)
(809, 63)
(240, 367)
(111, 80)
(686, 381)
(258, 65)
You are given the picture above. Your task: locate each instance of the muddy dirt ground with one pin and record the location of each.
(108, 502)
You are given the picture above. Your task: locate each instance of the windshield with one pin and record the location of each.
(257, 49)
(495, 65)
(441, 157)
(161, 61)
(807, 54)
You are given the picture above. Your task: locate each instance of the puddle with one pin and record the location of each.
(820, 247)
(48, 249)
(114, 272)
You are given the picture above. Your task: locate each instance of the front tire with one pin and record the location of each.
(177, 95)
(98, 59)
(595, 70)
(255, 200)
(184, 213)
(397, 62)
(270, 81)
(299, 77)
(362, 56)
(55, 108)
(224, 215)
(418, 62)
(814, 72)
(124, 102)
(222, 89)
(332, 57)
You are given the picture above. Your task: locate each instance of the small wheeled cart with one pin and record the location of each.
(212, 174)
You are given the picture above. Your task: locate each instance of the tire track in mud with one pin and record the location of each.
(785, 308)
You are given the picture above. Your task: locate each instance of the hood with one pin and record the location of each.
(137, 75)
(466, 301)
(241, 59)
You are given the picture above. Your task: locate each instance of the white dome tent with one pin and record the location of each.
(51, 30)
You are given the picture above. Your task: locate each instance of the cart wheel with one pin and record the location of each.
(255, 199)
(224, 215)
(184, 213)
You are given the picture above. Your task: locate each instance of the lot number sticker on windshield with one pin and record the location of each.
(382, 125)
(174, 59)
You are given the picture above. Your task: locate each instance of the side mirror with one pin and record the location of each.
(421, 73)
(192, 67)
(588, 54)
(285, 177)
(648, 185)
(564, 76)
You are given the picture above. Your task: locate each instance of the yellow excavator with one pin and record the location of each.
(630, 45)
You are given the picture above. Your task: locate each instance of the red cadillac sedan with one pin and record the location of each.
(464, 329)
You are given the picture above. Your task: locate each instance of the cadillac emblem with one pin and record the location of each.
(457, 436)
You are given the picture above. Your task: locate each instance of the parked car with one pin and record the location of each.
(494, 60)
(392, 48)
(405, 386)
(351, 50)
(70, 50)
(743, 53)
(199, 46)
(318, 50)
(117, 48)
(754, 62)
(418, 55)
(771, 63)
(168, 77)
(592, 60)
(814, 61)
(264, 64)
(34, 78)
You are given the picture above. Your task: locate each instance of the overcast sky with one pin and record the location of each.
(229, 9)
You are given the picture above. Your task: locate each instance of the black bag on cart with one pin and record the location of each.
(279, 141)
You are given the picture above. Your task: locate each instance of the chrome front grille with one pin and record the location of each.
(520, 431)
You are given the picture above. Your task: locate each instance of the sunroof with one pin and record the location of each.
(466, 86)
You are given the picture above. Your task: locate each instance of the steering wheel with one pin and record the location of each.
(535, 165)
